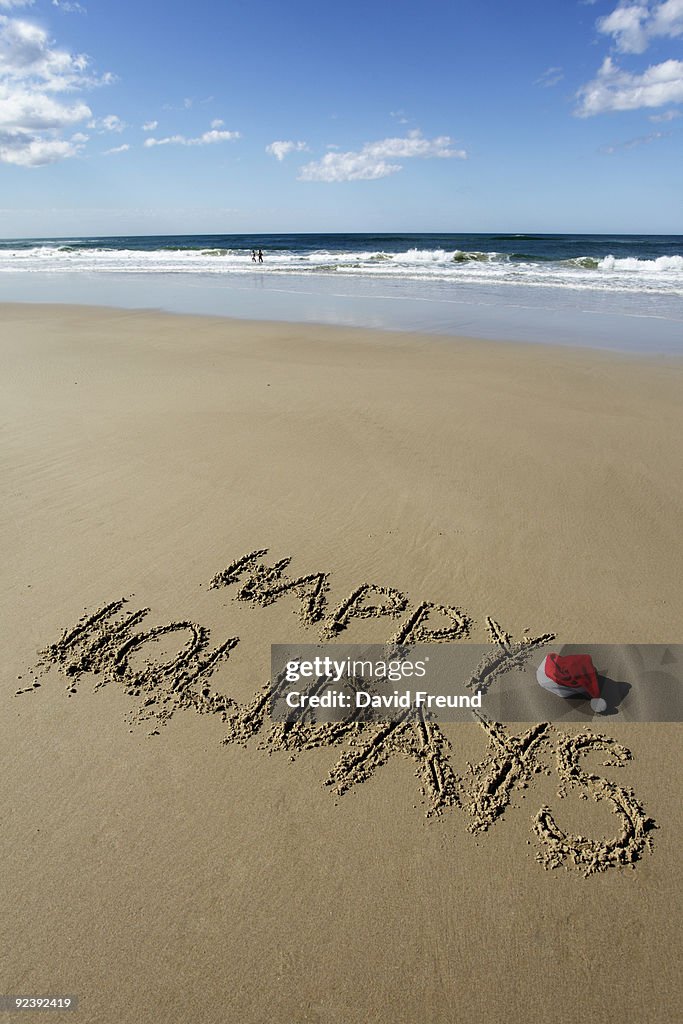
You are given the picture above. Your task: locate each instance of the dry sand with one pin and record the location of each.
(162, 874)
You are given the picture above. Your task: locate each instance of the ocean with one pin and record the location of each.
(647, 264)
(603, 291)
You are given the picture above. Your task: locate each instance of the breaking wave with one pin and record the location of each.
(663, 274)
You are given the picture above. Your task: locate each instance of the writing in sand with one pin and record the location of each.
(112, 645)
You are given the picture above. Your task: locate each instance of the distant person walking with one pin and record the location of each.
(260, 255)
(253, 255)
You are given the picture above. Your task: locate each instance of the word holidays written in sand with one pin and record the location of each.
(102, 644)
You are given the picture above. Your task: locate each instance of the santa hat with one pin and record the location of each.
(571, 675)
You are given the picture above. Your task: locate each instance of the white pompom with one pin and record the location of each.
(598, 704)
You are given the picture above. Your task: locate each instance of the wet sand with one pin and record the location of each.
(166, 854)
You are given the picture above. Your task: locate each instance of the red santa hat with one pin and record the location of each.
(571, 675)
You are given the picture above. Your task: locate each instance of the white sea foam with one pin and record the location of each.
(609, 274)
(662, 265)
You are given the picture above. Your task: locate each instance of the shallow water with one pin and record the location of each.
(499, 312)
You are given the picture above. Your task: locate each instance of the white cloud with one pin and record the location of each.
(69, 7)
(179, 139)
(642, 140)
(7, 4)
(110, 123)
(202, 140)
(150, 126)
(374, 160)
(20, 148)
(117, 149)
(550, 77)
(667, 19)
(217, 123)
(280, 149)
(213, 136)
(22, 109)
(626, 24)
(634, 25)
(34, 118)
(26, 52)
(113, 123)
(614, 89)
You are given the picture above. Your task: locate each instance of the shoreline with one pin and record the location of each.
(513, 313)
(339, 331)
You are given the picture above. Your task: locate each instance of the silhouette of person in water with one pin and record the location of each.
(260, 255)
(253, 255)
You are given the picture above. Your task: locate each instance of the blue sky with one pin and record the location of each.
(151, 117)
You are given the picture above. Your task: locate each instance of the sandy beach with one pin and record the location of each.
(160, 873)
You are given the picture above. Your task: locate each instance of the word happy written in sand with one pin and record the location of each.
(108, 644)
